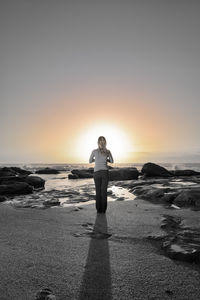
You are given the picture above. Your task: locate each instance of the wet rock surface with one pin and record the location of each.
(45, 294)
(153, 170)
(13, 171)
(180, 242)
(17, 188)
(179, 192)
(114, 173)
(123, 174)
(47, 171)
(16, 181)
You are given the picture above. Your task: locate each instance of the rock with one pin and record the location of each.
(73, 176)
(35, 181)
(45, 294)
(85, 175)
(17, 188)
(82, 173)
(169, 197)
(154, 170)
(21, 171)
(180, 243)
(149, 193)
(114, 173)
(52, 202)
(12, 179)
(5, 171)
(90, 170)
(12, 171)
(170, 222)
(47, 171)
(185, 246)
(189, 197)
(2, 198)
(123, 174)
(184, 172)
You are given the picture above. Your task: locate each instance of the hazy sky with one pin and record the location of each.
(67, 65)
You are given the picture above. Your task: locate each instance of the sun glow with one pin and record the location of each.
(118, 142)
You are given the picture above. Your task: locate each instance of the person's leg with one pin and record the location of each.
(98, 181)
(104, 186)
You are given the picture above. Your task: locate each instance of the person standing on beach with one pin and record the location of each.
(101, 156)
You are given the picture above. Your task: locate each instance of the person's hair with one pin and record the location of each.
(102, 145)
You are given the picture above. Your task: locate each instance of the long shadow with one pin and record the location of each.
(96, 283)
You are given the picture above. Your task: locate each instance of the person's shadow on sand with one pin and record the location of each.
(96, 283)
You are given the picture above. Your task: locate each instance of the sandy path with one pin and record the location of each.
(53, 248)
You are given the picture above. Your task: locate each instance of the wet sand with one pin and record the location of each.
(81, 255)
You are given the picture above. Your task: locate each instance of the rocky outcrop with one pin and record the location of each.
(13, 171)
(184, 172)
(35, 181)
(16, 181)
(189, 197)
(123, 174)
(45, 294)
(153, 170)
(73, 176)
(47, 171)
(2, 198)
(18, 188)
(82, 173)
(181, 243)
(114, 173)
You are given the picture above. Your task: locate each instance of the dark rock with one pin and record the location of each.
(2, 198)
(185, 246)
(12, 171)
(45, 294)
(47, 171)
(21, 171)
(189, 197)
(17, 188)
(154, 170)
(51, 202)
(12, 179)
(82, 173)
(149, 193)
(85, 175)
(35, 181)
(184, 172)
(5, 171)
(180, 243)
(170, 222)
(169, 197)
(73, 176)
(123, 174)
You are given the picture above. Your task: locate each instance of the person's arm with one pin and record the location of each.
(110, 158)
(91, 159)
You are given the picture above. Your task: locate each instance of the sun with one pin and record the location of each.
(118, 142)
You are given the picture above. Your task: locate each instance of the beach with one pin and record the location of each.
(81, 255)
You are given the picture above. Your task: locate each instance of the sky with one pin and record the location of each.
(67, 68)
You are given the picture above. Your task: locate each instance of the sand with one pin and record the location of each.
(57, 248)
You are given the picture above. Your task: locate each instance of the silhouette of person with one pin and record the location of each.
(101, 156)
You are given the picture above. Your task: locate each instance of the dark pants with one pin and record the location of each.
(101, 179)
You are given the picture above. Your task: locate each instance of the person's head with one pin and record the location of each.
(102, 144)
